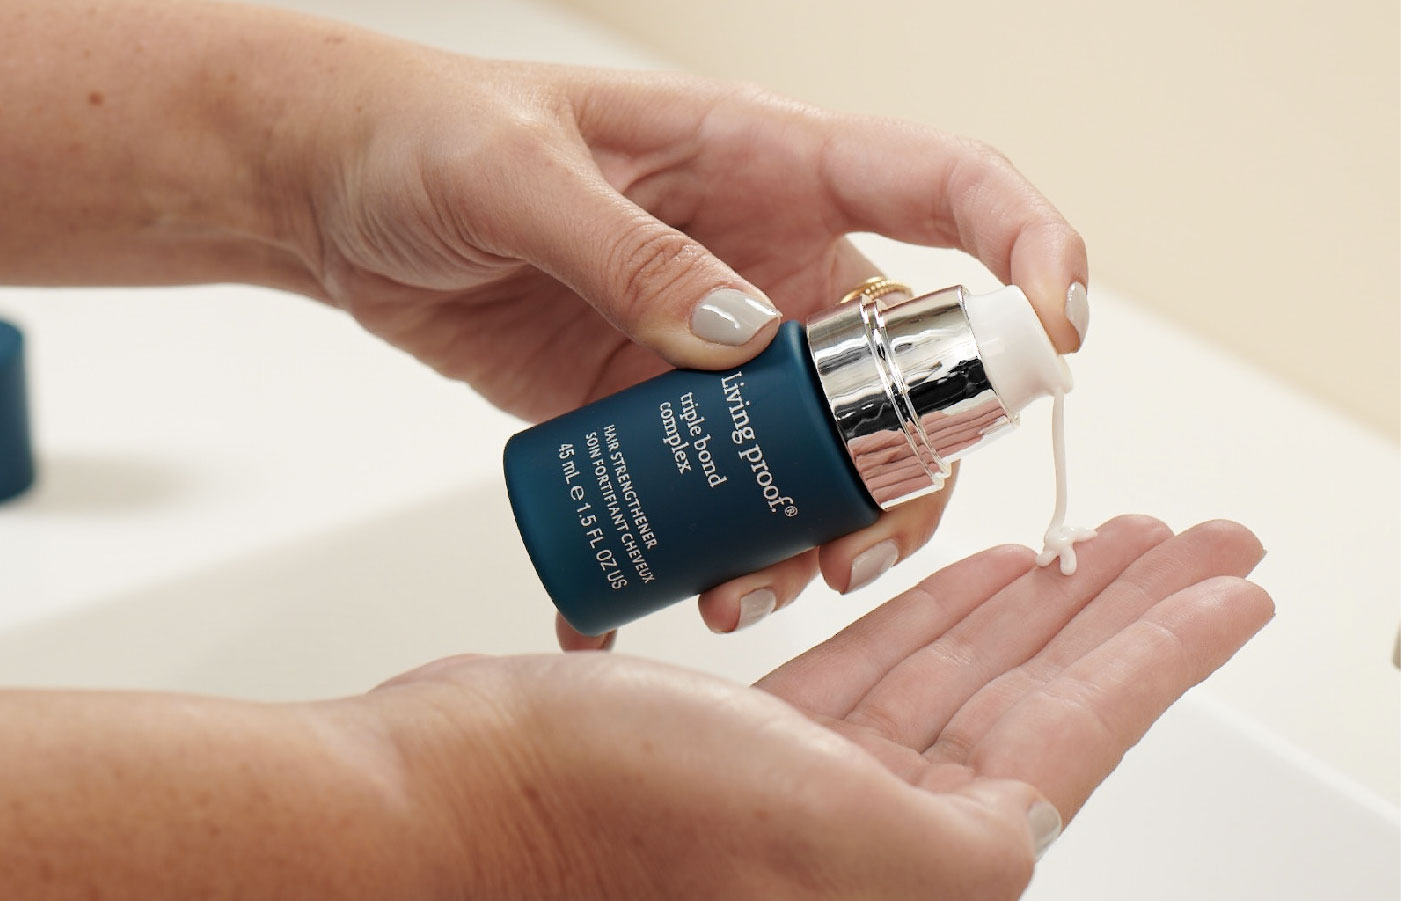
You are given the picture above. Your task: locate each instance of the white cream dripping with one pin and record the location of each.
(1060, 539)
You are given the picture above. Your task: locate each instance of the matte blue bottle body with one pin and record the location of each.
(687, 480)
(16, 455)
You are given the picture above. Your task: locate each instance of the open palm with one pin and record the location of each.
(995, 668)
(928, 750)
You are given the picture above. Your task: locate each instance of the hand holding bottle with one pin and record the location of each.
(548, 234)
(551, 235)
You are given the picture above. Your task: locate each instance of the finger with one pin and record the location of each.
(990, 832)
(902, 180)
(743, 602)
(830, 679)
(921, 186)
(913, 703)
(1200, 553)
(1096, 709)
(570, 639)
(656, 284)
(854, 561)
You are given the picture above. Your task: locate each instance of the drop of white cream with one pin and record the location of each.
(1060, 539)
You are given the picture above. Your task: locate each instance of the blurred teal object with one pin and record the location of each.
(16, 455)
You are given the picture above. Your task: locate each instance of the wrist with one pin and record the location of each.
(323, 127)
(493, 806)
(169, 796)
(147, 138)
(259, 90)
(398, 838)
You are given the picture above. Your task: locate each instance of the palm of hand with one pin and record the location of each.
(901, 758)
(997, 669)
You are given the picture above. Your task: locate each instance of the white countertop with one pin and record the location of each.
(227, 431)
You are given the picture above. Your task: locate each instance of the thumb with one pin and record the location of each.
(987, 833)
(657, 285)
(1017, 809)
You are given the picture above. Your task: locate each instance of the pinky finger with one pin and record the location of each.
(571, 639)
(742, 602)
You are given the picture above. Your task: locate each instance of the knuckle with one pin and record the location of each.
(496, 165)
(1074, 241)
(987, 174)
(761, 104)
(1010, 555)
(884, 720)
(755, 95)
(507, 144)
(1143, 527)
(526, 140)
(649, 262)
(986, 155)
(954, 746)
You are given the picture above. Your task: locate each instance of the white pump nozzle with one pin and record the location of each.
(1017, 355)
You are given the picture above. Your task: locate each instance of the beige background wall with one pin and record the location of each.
(1232, 164)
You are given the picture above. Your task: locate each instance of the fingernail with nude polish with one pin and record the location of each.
(871, 564)
(754, 606)
(1045, 823)
(1077, 309)
(730, 317)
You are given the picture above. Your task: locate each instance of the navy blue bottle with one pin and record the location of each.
(16, 455)
(692, 478)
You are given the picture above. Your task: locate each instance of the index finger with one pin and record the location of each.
(865, 173)
(922, 186)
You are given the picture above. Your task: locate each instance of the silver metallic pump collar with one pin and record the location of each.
(905, 385)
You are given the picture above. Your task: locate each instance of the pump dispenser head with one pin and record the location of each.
(1017, 354)
(915, 383)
